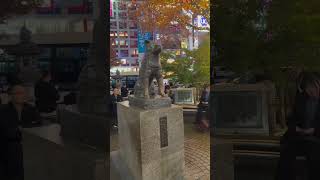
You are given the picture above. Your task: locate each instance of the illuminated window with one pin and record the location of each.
(123, 34)
(123, 42)
(133, 34)
(113, 34)
(122, 25)
(123, 15)
(114, 5)
(113, 25)
(123, 61)
(122, 5)
(135, 51)
(133, 43)
(132, 25)
(114, 42)
(124, 53)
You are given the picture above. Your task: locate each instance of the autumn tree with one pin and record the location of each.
(11, 8)
(177, 68)
(160, 16)
(190, 68)
(201, 67)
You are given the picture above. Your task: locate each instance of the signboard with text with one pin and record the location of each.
(201, 22)
(141, 41)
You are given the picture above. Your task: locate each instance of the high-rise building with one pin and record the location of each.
(54, 16)
(124, 33)
(63, 31)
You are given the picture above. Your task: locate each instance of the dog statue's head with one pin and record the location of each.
(153, 48)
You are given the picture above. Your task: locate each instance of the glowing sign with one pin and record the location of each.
(141, 41)
(202, 22)
(111, 13)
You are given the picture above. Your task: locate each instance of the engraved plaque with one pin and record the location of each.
(163, 132)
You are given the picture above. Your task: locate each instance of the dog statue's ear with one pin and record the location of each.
(157, 51)
(147, 43)
(158, 47)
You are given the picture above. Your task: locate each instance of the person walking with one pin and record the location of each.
(15, 115)
(303, 135)
(46, 94)
(202, 110)
(115, 98)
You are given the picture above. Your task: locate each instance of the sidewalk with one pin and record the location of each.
(197, 151)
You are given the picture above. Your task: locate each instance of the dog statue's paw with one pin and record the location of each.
(147, 96)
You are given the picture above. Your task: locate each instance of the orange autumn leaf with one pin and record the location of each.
(159, 15)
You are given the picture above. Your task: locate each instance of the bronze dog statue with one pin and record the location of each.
(150, 69)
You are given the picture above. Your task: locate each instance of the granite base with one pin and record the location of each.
(156, 103)
(151, 142)
(83, 128)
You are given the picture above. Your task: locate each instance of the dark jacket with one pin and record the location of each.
(113, 102)
(70, 99)
(115, 99)
(205, 96)
(46, 96)
(124, 92)
(204, 100)
(305, 114)
(11, 155)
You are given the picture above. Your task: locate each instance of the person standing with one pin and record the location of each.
(29, 74)
(115, 98)
(46, 94)
(203, 106)
(15, 115)
(167, 88)
(303, 134)
(124, 91)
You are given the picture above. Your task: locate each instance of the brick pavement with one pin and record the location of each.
(197, 157)
(197, 153)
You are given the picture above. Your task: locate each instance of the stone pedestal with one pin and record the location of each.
(222, 160)
(149, 103)
(83, 128)
(49, 156)
(151, 142)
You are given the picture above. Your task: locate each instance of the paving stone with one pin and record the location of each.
(197, 153)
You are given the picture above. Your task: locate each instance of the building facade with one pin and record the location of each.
(63, 31)
(124, 34)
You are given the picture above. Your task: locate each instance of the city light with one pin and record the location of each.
(170, 61)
